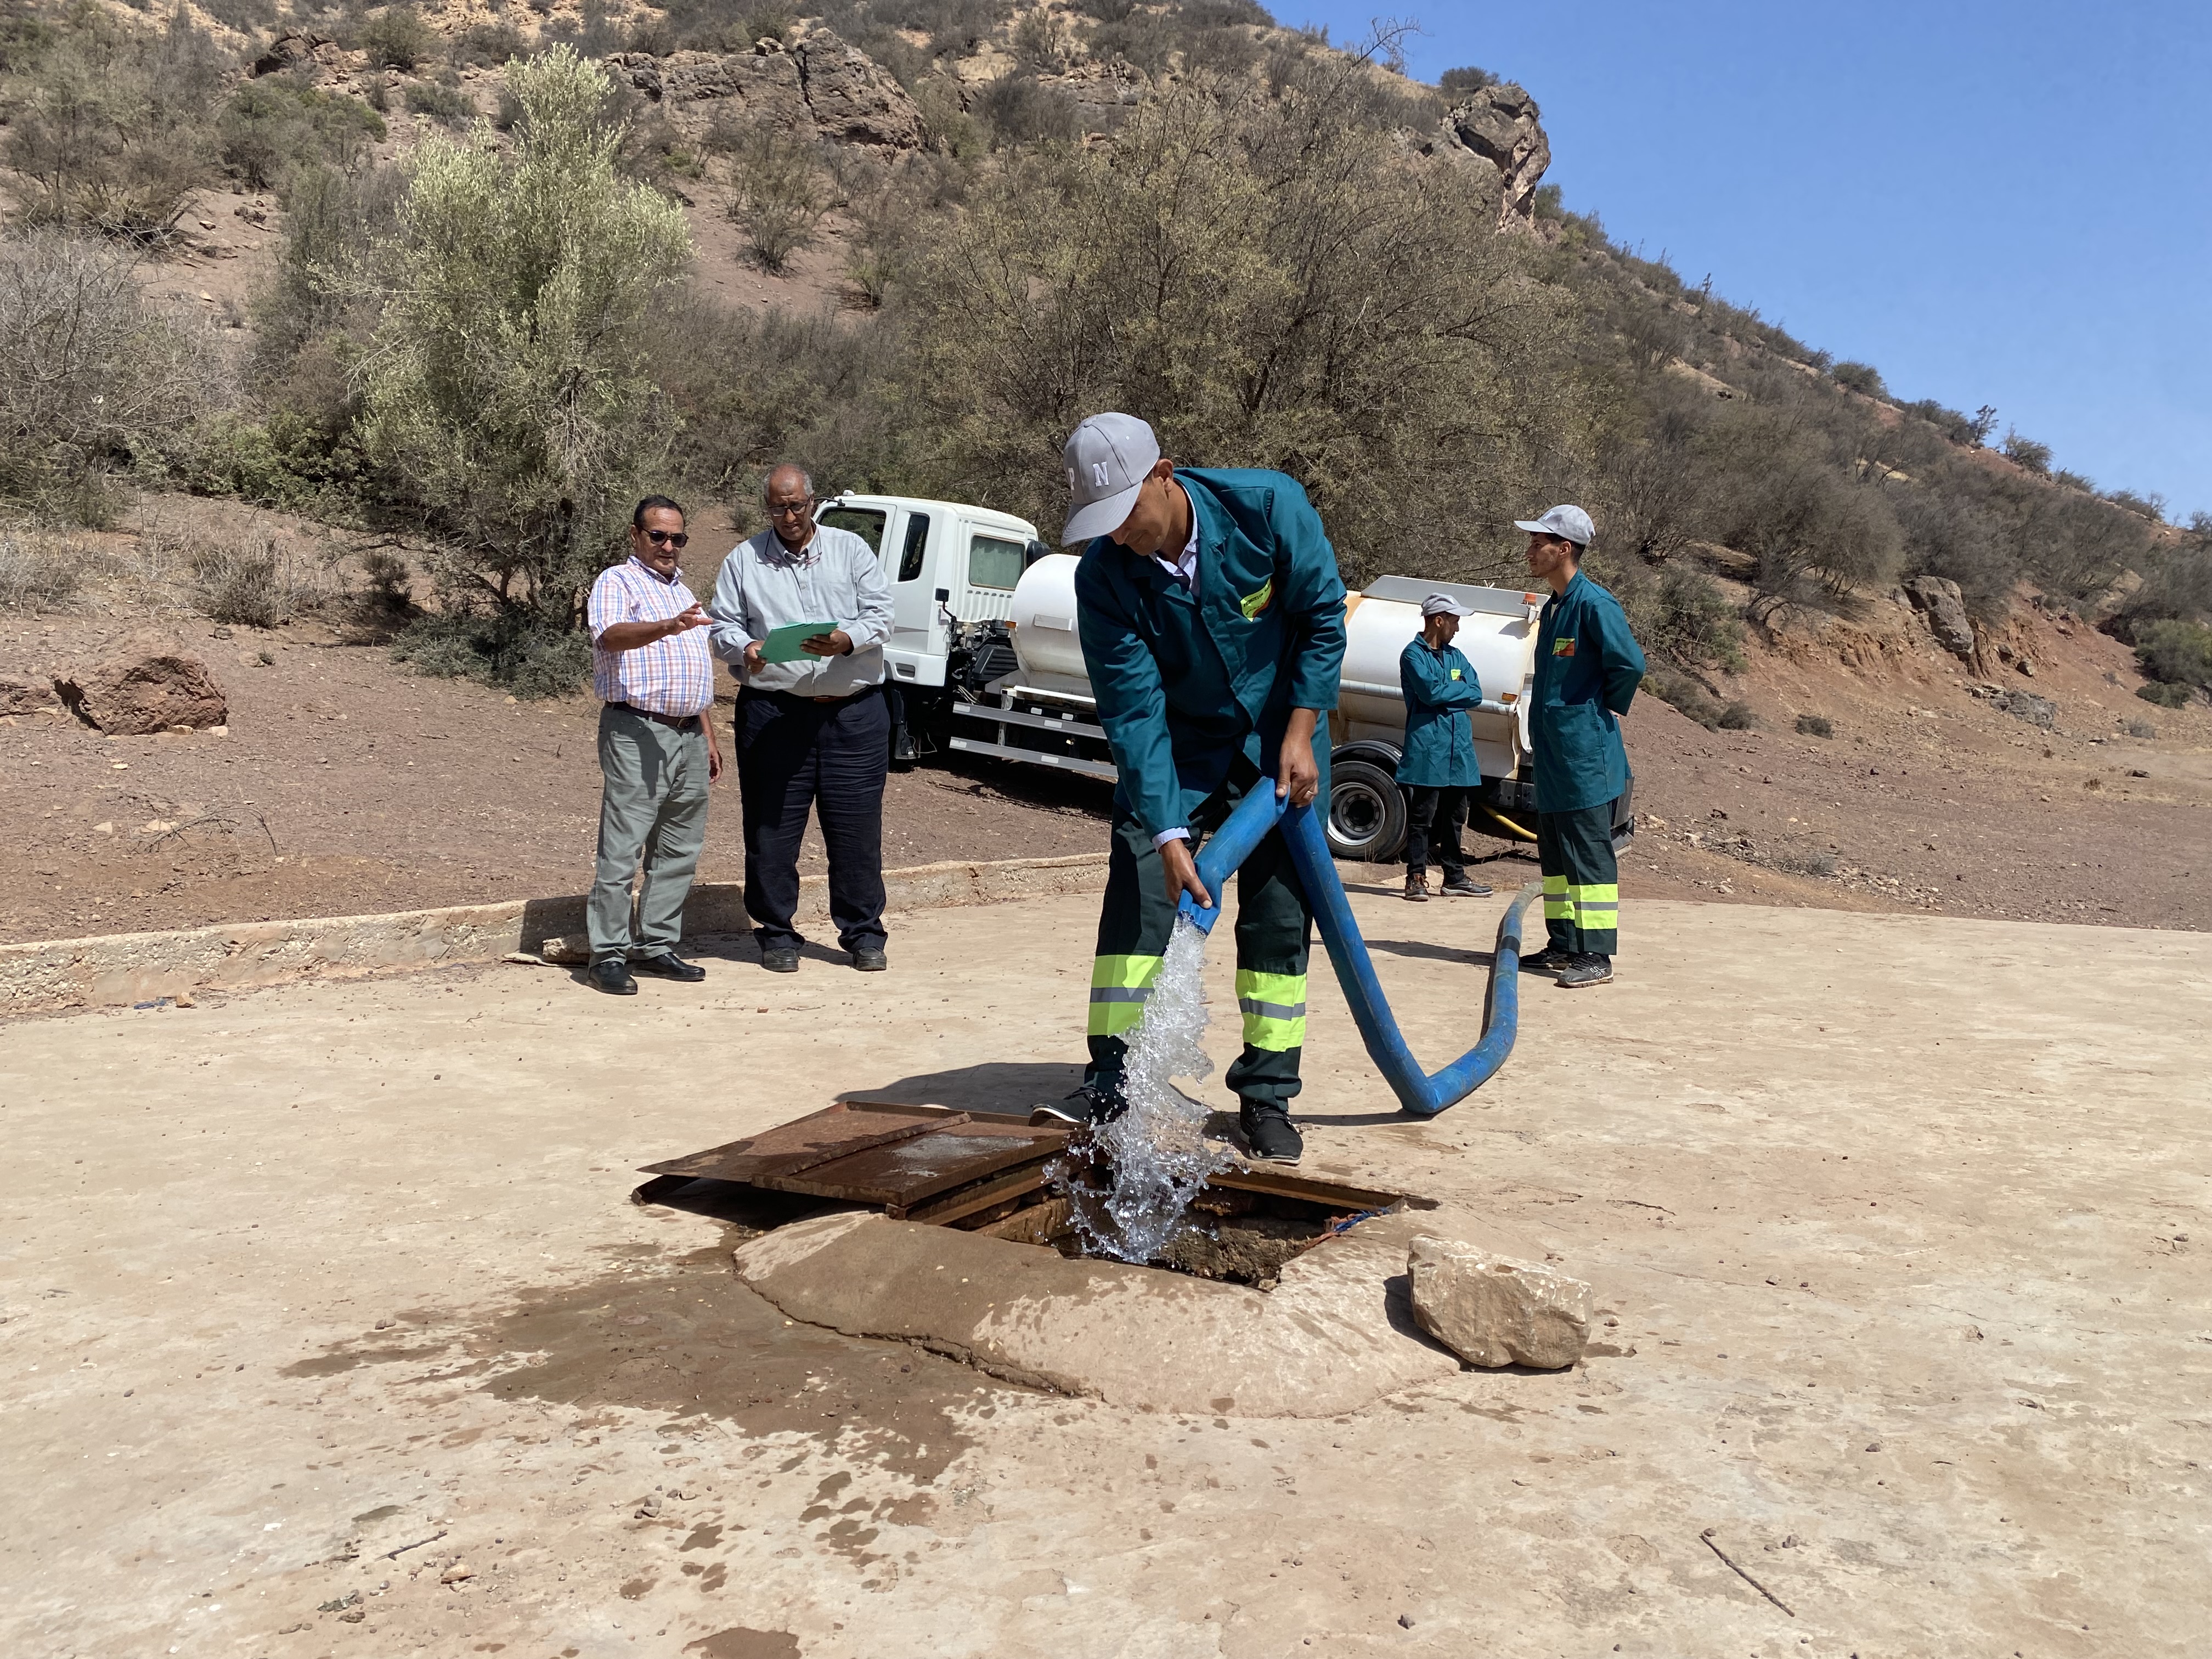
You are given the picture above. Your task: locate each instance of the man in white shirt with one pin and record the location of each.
(813, 733)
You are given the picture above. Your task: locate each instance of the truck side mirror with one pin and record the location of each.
(943, 594)
(1034, 552)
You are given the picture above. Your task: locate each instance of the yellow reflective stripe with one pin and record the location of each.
(1597, 893)
(1119, 986)
(1555, 883)
(1274, 1009)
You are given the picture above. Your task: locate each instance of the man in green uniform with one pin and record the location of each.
(1439, 771)
(1588, 668)
(1212, 618)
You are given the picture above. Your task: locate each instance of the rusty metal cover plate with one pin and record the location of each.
(873, 1153)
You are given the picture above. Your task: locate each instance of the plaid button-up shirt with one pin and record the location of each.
(674, 676)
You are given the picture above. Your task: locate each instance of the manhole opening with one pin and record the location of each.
(1002, 1178)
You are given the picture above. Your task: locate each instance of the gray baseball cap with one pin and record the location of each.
(1569, 521)
(1107, 460)
(1442, 604)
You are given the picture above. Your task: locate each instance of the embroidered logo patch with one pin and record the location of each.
(1455, 673)
(1253, 604)
(1563, 648)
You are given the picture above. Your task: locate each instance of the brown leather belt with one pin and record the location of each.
(679, 722)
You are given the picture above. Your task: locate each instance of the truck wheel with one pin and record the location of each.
(1366, 813)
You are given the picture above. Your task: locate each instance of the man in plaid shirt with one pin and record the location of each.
(658, 752)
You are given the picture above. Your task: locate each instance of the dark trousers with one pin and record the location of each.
(1581, 889)
(794, 753)
(1446, 809)
(1274, 931)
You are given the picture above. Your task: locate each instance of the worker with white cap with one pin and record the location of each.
(1211, 618)
(1588, 668)
(1439, 771)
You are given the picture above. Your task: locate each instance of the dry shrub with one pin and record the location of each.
(38, 572)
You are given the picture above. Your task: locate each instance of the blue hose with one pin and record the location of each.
(1419, 1093)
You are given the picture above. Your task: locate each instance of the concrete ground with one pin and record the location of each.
(330, 1331)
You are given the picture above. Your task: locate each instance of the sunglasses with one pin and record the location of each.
(675, 539)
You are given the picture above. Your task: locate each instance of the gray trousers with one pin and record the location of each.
(652, 804)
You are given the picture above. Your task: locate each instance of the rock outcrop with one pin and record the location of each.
(1500, 127)
(821, 88)
(19, 696)
(301, 52)
(1938, 600)
(145, 685)
(1492, 1311)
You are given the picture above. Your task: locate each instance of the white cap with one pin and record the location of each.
(1442, 604)
(1108, 459)
(1569, 521)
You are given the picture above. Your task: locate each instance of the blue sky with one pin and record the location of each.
(2002, 204)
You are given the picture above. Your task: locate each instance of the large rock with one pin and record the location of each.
(820, 88)
(22, 695)
(1938, 600)
(146, 684)
(1492, 1311)
(301, 52)
(1501, 126)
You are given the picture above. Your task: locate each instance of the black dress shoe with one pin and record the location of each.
(613, 977)
(870, 959)
(666, 965)
(783, 961)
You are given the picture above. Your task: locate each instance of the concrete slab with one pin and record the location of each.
(331, 1292)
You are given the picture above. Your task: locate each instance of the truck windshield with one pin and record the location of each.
(865, 522)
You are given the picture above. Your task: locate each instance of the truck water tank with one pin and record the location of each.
(1495, 641)
(1044, 618)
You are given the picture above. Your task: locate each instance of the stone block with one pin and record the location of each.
(1494, 1310)
(146, 684)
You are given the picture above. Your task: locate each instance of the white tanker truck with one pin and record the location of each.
(985, 652)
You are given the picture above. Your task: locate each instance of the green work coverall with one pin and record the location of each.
(1195, 691)
(1439, 771)
(1588, 668)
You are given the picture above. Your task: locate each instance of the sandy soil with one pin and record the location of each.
(331, 1332)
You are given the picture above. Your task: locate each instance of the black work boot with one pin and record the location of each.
(1268, 1134)
(1090, 1104)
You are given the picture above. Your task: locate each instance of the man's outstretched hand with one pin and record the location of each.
(1181, 871)
(1298, 775)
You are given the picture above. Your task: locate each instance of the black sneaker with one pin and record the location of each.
(666, 965)
(1466, 887)
(613, 977)
(1588, 968)
(870, 959)
(1090, 1104)
(784, 960)
(1268, 1134)
(1548, 960)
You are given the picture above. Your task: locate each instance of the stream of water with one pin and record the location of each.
(1157, 1152)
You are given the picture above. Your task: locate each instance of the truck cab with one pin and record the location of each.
(953, 568)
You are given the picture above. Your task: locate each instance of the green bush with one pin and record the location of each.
(487, 46)
(2026, 453)
(1684, 618)
(397, 38)
(781, 194)
(2166, 696)
(1465, 82)
(1816, 725)
(1686, 696)
(274, 125)
(2176, 653)
(1859, 377)
(514, 651)
(448, 105)
(1020, 111)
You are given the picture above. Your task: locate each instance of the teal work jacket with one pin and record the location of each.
(1588, 668)
(1440, 687)
(1186, 683)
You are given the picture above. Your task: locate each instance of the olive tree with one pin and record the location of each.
(508, 396)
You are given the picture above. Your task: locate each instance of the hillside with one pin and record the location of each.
(918, 238)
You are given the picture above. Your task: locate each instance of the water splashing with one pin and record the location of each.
(1156, 1152)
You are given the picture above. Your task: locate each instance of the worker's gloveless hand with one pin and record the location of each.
(1300, 776)
(836, 643)
(754, 661)
(1181, 872)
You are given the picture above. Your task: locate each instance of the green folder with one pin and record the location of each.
(787, 643)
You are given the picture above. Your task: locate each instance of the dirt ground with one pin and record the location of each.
(349, 784)
(331, 1331)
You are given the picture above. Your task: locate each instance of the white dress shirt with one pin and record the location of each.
(1184, 570)
(836, 578)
